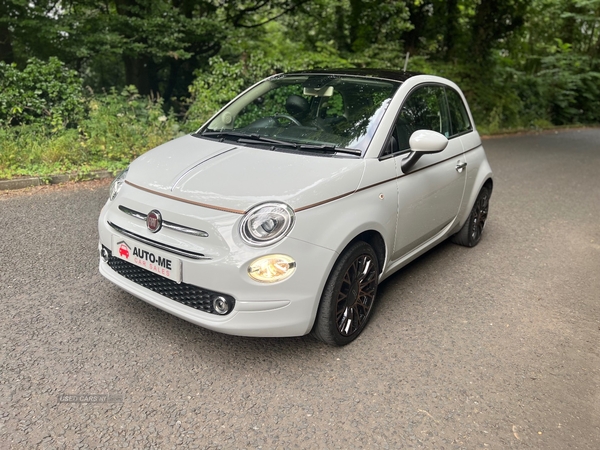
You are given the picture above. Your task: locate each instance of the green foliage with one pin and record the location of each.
(118, 128)
(214, 88)
(571, 85)
(47, 93)
(155, 45)
(121, 126)
(350, 26)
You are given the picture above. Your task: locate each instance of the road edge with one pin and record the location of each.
(26, 182)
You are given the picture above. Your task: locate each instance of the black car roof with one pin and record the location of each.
(387, 74)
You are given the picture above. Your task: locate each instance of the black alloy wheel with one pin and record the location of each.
(348, 296)
(480, 212)
(471, 232)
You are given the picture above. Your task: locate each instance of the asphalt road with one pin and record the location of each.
(492, 347)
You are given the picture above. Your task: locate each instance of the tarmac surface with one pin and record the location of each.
(491, 347)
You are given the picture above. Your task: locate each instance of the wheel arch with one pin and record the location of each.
(376, 241)
(489, 183)
(325, 314)
(470, 201)
(372, 237)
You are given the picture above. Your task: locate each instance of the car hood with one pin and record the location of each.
(234, 177)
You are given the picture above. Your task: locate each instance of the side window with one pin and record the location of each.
(458, 113)
(425, 109)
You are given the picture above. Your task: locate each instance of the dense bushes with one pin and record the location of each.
(121, 126)
(47, 93)
(49, 124)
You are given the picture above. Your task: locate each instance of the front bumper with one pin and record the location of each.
(287, 308)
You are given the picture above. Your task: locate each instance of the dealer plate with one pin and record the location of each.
(147, 257)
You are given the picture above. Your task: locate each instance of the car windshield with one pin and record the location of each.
(325, 112)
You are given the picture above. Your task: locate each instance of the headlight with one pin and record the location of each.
(271, 268)
(267, 223)
(115, 186)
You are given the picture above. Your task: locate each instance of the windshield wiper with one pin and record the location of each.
(252, 138)
(226, 133)
(329, 148)
(256, 137)
(246, 138)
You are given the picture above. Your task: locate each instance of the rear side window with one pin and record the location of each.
(458, 113)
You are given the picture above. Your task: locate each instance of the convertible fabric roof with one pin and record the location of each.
(387, 74)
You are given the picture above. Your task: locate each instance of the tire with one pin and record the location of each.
(348, 296)
(470, 234)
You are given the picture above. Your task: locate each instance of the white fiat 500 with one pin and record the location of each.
(280, 216)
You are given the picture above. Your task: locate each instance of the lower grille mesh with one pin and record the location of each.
(186, 294)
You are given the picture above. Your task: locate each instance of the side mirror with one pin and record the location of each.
(423, 142)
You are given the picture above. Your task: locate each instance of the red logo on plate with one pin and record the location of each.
(124, 249)
(154, 221)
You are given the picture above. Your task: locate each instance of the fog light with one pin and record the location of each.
(104, 254)
(271, 268)
(220, 305)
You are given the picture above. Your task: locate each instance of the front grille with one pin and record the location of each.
(166, 247)
(186, 294)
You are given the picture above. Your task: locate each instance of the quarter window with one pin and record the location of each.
(458, 113)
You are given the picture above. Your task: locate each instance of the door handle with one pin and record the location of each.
(460, 166)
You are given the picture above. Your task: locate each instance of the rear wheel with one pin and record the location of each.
(470, 234)
(348, 296)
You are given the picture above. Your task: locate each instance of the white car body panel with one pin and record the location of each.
(430, 196)
(232, 177)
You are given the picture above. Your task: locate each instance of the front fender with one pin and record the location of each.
(335, 224)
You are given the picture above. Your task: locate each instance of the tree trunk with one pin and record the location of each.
(482, 31)
(418, 18)
(451, 29)
(138, 72)
(340, 30)
(6, 50)
(356, 32)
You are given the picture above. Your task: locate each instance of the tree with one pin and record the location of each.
(155, 45)
(26, 30)
(493, 22)
(6, 50)
(353, 27)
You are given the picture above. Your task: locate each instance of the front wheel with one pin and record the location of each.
(470, 234)
(348, 296)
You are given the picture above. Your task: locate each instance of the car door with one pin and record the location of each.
(430, 193)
